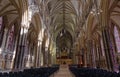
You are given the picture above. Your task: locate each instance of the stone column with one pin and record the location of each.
(38, 61)
(85, 58)
(15, 64)
(74, 57)
(28, 62)
(40, 53)
(20, 49)
(89, 53)
(2, 50)
(107, 42)
(4, 41)
(82, 54)
(94, 55)
(41, 59)
(22, 46)
(49, 58)
(36, 55)
(44, 52)
(98, 55)
(2, 31)
(14, 52)
(104, 19)
(46, 55)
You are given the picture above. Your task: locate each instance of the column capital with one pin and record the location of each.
(24, 26)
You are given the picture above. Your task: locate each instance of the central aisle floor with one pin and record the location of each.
(63, 72)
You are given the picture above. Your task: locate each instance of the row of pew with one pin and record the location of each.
(33, 72)
(92, 72)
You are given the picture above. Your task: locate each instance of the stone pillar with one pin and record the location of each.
(35, 55)
(38, 55)
(20, 49)
(97, 55)
(85, 57)
(74, 57)
(94, 55)
(104, 19)
(2, 50)
(89, 53)
(4, 41)
(49, 58)
(14, 52)
(100, 55)
(41, 58)
(107, 48)
(32, 50)
(28, 62)
(46, 55)
(44, 52)
(2, 31)
(82, 54)
(22, 46)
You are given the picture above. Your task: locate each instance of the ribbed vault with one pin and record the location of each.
(63, 21)
(13, 10)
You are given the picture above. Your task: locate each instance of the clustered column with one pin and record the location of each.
(108, 47)
(3, 48)
(89, 53)
(38, 55)
(18, 63)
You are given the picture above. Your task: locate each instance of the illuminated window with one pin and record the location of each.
(1, 20)
(1, 30)
(10, 39)
(117, 39)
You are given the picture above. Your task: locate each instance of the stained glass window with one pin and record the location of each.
(117, 39)
(1, 22)
(10, 39)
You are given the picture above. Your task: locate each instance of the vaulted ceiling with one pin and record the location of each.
(66, 17)
(63, 15)
(12, 10)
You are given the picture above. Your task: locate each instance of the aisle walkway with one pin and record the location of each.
(63, 72)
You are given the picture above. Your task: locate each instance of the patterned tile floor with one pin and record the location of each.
(63, 72)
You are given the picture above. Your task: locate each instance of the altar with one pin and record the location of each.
(64, 58)
(64, 61)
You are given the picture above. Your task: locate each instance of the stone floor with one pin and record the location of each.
(63, 72)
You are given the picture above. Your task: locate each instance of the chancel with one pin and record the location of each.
(59, 38)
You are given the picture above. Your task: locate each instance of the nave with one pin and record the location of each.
(63, 72)
(41, 33)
